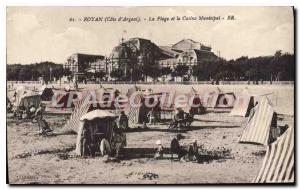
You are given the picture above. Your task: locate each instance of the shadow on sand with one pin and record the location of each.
(179, 130)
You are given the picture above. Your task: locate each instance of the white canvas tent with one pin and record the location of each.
(243, 104)
(218, 99)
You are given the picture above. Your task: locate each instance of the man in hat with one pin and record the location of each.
(177, 148)
(39, 116)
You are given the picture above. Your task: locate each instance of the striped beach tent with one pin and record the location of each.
(259, 127)
(133, 90)
(134, 107)
(243, 104)
(82, 106)
(278, 164)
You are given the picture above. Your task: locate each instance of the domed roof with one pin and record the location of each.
(120, 51)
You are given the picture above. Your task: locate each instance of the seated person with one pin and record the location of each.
(176, 148)
(87, 144)
(31, 112)
(20, 111)
(159, 150)
(188, 119)
(193, 152)
(151, 117)
(105, 148)
(118, 143)
(178, 119)
(39, 116)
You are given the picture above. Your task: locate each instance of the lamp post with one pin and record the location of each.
(50, 73)
(130, 75)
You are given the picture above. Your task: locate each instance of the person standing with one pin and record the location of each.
(123, 121)
(143, 119)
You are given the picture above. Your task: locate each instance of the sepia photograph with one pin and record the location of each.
(150, 95)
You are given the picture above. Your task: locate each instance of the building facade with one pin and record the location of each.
(79, 63)
(134, 53)
(187, 52)
(100, 65)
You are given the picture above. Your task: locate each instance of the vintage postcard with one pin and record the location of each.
(150, 95)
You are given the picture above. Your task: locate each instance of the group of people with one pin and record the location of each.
(99, 143)
(107, 145)
(181, 119)
(190, 153)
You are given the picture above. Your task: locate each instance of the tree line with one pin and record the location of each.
(280, 66)
(32, 72)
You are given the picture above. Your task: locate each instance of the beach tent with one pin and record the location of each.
(195, 103)
(83, 106)
(29, 99)
(136, 109)
(218, 99)
(140, 105)
(47, 94)
(133, 90)
(278, 165)
(21, 90)
(99, 122)
(243, 104)
(258, 128)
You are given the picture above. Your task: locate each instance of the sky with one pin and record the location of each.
(36, 34)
